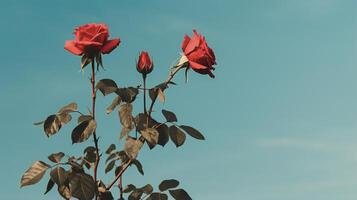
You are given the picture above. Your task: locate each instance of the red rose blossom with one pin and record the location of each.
(144, 65)
(91, 39)
(200, 57)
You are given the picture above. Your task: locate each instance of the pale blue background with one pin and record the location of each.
(280, 118)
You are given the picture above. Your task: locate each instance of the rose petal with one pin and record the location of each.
(211, 54)
(197, 66)
(87, 45)
(100, 37)
(81, 33)
(185, 41)
(110, 45)
(92, 28)
(201, 69)
(208, 51)
(201, 57)
(71, 47)
(194, 42)
(102, 28)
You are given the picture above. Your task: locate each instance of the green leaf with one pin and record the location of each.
(34, 174)
(107, 195)
(59, 175)
(123, 156)
(52, 125)
(168, 184)
(136, 194)
(157, 196)
(186, 74)
(118, 170)
(76, 167)
(99, 60)
(85, 60)
(151, 136)
(142, 120)
(50, 185)
(89, 149)
(64, 118)
(83, 131)
(111, 156)
(110, 149)
(177, 136)
(129, 188)
(139, 166)
(117, 155)
(64, 191)
(180, 194)
(153, 92)
(106, 86)
(125, 115)
(192, 132)
(110, 166)
(38, 123)
(161, 95)
(90, 155)
(132, 147)
(101, 186)
(114, 104)
(163, 130)
(83, 118)
(72, 107)
(124, 132)
(56, 157)
(127, 95)
(147, 189)
(82, 186)
(169, 116)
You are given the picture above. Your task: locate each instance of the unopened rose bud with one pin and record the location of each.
(145, 64)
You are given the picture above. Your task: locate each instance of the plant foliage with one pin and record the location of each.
(76, 176)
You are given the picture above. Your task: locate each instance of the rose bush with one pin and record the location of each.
(200, 57)
(91, 39)
(77, 176)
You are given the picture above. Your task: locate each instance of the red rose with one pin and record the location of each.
(91, 39)
(199, 56)
(144, 65)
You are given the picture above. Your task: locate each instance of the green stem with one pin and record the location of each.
(93, 115)
(144, 81)
(171, 76)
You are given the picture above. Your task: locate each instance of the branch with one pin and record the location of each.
(93, 113)
(171, 76)
(125, 167)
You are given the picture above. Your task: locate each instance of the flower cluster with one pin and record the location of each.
(92, 40)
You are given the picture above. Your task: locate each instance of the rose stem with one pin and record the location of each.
(93, 115)
(171, 76)
(144, 81)
(121, 187)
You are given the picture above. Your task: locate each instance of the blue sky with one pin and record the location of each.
(280, 117)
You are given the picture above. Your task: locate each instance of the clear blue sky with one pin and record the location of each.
(280, 117)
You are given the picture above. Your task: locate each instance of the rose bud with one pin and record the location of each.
(91, 40)
(197, 54)
(144, 65)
